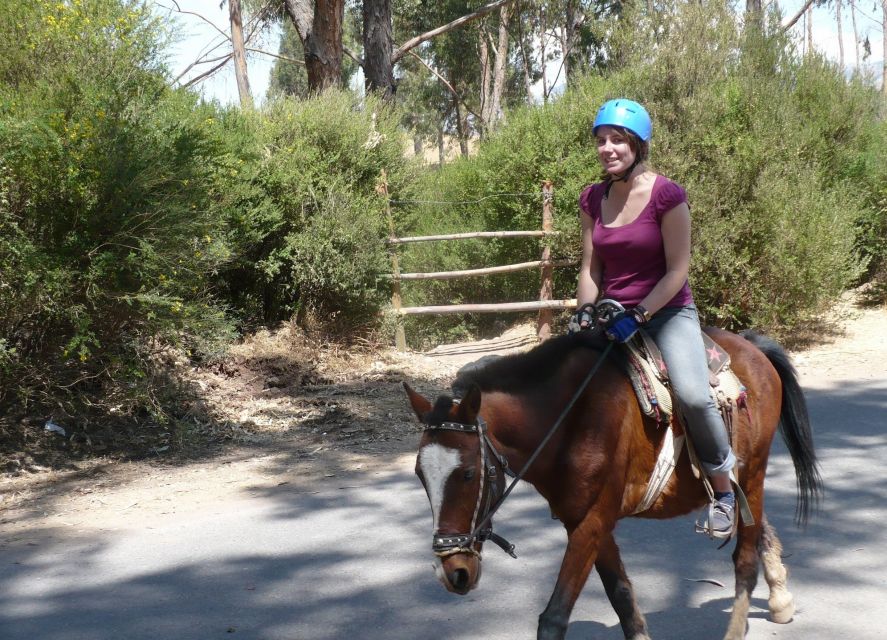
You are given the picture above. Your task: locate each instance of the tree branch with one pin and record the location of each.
(348, 52)
(204, 18)
(207, 74)
(274, 55)
(446, 83)
(791, 21)
(428, 35)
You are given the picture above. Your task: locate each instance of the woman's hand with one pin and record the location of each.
(582, 319)
(625, 324)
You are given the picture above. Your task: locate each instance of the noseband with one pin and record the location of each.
(488, 495)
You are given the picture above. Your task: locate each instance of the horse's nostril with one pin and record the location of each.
(459, 579)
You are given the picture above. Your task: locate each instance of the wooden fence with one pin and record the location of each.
(545, 304)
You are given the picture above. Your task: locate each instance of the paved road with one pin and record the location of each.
(352, 561)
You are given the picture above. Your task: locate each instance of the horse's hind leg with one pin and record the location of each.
(618, 587)
(780, 603)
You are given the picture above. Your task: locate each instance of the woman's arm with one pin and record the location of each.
(591, 270)
(676, 240)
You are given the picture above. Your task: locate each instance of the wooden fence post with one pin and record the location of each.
(400, 339)
(543, 323)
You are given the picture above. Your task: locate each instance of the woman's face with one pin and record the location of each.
(614, 150)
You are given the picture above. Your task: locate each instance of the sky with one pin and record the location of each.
(198, 37)
(825, 30)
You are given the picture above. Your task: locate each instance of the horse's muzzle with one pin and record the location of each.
(459, 573)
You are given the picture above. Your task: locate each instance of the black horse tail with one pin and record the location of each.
(794, 425)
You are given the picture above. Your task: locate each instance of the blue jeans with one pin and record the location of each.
(677, 333)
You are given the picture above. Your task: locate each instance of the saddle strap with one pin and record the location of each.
(662, 471)
(742, 502)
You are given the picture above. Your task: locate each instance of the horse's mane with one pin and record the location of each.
(521, 371)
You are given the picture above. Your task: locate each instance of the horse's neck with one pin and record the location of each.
(515, 429)
(519, 422)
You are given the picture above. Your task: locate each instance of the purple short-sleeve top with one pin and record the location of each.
(633, 255)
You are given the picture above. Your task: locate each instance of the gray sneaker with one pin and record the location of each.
(721, 518)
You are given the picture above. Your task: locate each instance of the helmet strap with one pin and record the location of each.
(623, 178)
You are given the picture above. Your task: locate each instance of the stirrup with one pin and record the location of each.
(705, 527)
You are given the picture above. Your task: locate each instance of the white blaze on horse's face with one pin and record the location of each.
(438, 463)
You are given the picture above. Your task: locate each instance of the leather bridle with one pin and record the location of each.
(489, 494)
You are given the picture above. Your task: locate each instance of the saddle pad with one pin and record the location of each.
(649, 381)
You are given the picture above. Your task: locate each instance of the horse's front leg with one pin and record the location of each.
(582, 550)
(619, 591)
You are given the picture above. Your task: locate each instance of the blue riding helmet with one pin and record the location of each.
(627, 114)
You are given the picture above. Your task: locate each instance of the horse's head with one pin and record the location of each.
(463, 477)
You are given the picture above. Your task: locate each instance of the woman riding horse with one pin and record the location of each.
(584, 443)
(636, 250)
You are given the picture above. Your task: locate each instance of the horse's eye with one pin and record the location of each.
(469, 474)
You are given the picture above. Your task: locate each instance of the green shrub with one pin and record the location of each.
(108, 231)
(307, 224)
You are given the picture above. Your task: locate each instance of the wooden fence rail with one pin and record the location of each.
(487, 271)
(473, 234)
(495, 307)
(545, 304)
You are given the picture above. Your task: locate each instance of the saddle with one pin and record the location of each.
(648, 374)
(649, 377)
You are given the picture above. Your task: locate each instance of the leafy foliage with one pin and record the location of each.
(107, 231)
(776, 151)
(307, 224)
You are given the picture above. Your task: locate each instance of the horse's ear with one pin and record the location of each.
(420, 405)
(470, 404)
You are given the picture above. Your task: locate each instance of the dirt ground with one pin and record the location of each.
(310, 415)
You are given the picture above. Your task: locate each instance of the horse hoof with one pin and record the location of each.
(782, 609)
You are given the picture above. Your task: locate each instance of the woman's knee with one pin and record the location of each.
(694, 403)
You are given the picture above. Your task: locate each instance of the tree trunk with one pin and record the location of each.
(809, 21)
(485, 77)
(543, 56)
(493, 79)
(496, 112)
(441, 149)
(319, 25)
(570, 25)
(461, 128)
(528, 85)
(884, 50)
(754, 14)
(855, 32)
(417, 143)
(377, 47)
(236, 17)
(840, 36)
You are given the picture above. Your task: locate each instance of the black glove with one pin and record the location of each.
(582, 319)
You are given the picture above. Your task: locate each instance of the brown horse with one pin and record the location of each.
(595, 467)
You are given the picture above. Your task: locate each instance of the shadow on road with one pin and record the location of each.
(351, 560)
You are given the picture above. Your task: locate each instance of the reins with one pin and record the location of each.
(566, 410)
